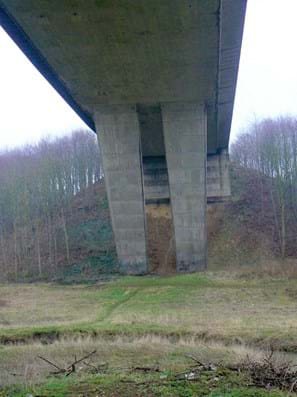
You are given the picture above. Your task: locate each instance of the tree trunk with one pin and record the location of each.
(55, 248)
(38, 250)
(276, 223)
(283, 229)
(3, 253)
(49, 231)
(65, 235)
(16, 269)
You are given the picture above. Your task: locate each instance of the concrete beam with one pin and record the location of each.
(171, 48)
(185, 129)
(119, 137)
(218, 177)
(232, 15)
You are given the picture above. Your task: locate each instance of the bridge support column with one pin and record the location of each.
(218, 178)
(119, 138)
(184, 126)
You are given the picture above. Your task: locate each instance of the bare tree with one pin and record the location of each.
(269, 147)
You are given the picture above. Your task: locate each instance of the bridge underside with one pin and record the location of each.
(155, 165)
(156, 79)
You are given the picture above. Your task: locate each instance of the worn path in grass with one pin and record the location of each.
(210, 306)
(143, 321)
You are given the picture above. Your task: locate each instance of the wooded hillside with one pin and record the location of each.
(37, 186)
(54, 218)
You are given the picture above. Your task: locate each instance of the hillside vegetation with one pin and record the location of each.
(54, 217)
(188, 335)
(240, 233)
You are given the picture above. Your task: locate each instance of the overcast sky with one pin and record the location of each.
(267, 82)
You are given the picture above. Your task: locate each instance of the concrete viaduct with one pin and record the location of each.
(156, 79)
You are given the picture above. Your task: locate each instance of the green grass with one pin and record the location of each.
(119, 385)
(212, 305)
(143, 320)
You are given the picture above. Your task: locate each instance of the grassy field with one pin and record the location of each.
(148, 321)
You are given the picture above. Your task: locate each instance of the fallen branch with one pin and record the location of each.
(146, 369)
(50, 363)
(194, 358)
(268, 373)
(96, 368)
(83, 358)
(71, 368)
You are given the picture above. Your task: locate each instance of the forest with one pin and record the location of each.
(270, 148)
(37, 184)
(70, 323)
(54, 213)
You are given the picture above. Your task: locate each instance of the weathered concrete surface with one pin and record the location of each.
(152, 140)
(218, 178)
(155, 178)
(156, 183)
(232, 15)
(185, 144)
(135, 52)
(120, 149)
(142, 71)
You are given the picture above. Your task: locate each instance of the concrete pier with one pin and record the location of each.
(119, 138)
(172, 174)
(185, 144)
(155, 163)
(156, 80)
(218, 178)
